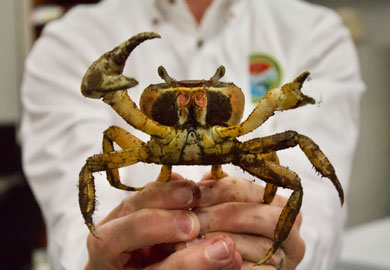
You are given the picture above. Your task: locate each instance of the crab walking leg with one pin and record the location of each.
(290, 139)
(104, 79)
(216, 172)
(279, 176)
(269, 193)
(287, 97)
(112, 160)
(125, 140)
(165, 174)
(270, 189)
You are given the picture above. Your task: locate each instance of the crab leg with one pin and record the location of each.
(103, 162)
(279, 176)
(104, 79)
(125, 140)
(290, 139)
(216, 172)
(287, 97)
(165, 174)
(270, 189)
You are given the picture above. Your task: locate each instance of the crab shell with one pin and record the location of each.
(193, 103)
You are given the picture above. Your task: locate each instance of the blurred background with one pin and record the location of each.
(367, 238)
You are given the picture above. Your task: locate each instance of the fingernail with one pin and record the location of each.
(185, 223)
(183, 196)
(218, 251)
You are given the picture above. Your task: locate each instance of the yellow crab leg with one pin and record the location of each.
(104, 79)
(105, 161)
(216, 172)
(270, 189)
(165, 174)
(279, 176)
(290, 139)
(287, 97)
(125, 140)
(269, 193)
(121, 137)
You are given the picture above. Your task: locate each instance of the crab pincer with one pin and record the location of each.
(105, 74)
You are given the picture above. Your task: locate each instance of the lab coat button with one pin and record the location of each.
(200, 43)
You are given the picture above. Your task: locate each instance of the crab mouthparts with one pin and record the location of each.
(192, 137)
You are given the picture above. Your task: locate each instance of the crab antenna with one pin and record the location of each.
(162, 72)
(218, 74)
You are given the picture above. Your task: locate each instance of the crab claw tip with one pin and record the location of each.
(302, 77)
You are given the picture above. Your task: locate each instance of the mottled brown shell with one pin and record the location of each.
(225, 101)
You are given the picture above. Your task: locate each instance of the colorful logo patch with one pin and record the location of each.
(265, 73)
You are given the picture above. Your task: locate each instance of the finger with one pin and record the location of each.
(176, 176)
(233, 189)
(179, 194)
(152, 227)
(245, 218)
(251, 247)
(251, 218)
(215, 253)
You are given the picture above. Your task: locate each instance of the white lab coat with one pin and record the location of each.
(61, 128)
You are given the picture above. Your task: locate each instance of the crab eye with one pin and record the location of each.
(200, 99)
(219, 109)
(164, 110)
(183, 99)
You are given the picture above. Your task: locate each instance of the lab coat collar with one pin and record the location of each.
(215, 19)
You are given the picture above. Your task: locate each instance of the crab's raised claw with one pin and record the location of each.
(287, 97)
(295, 98)
(105, 74)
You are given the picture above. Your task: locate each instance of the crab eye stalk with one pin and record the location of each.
(162, 72)
(218, 74)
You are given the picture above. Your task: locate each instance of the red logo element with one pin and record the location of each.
(258, 68)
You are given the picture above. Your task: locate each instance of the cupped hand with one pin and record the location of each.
(234, 207)
(141, 233)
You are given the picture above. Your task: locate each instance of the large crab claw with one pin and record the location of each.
(105, 74)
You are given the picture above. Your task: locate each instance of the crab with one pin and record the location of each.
(196, 122)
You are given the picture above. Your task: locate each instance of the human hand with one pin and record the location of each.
(234, 207)
(141, 232)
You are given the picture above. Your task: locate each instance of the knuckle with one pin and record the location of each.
(150, 186)
(127, 206)
(271, 215)
(241, 190)
(253, 248)
(146, 214)
(231, 210)
(280, 200)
